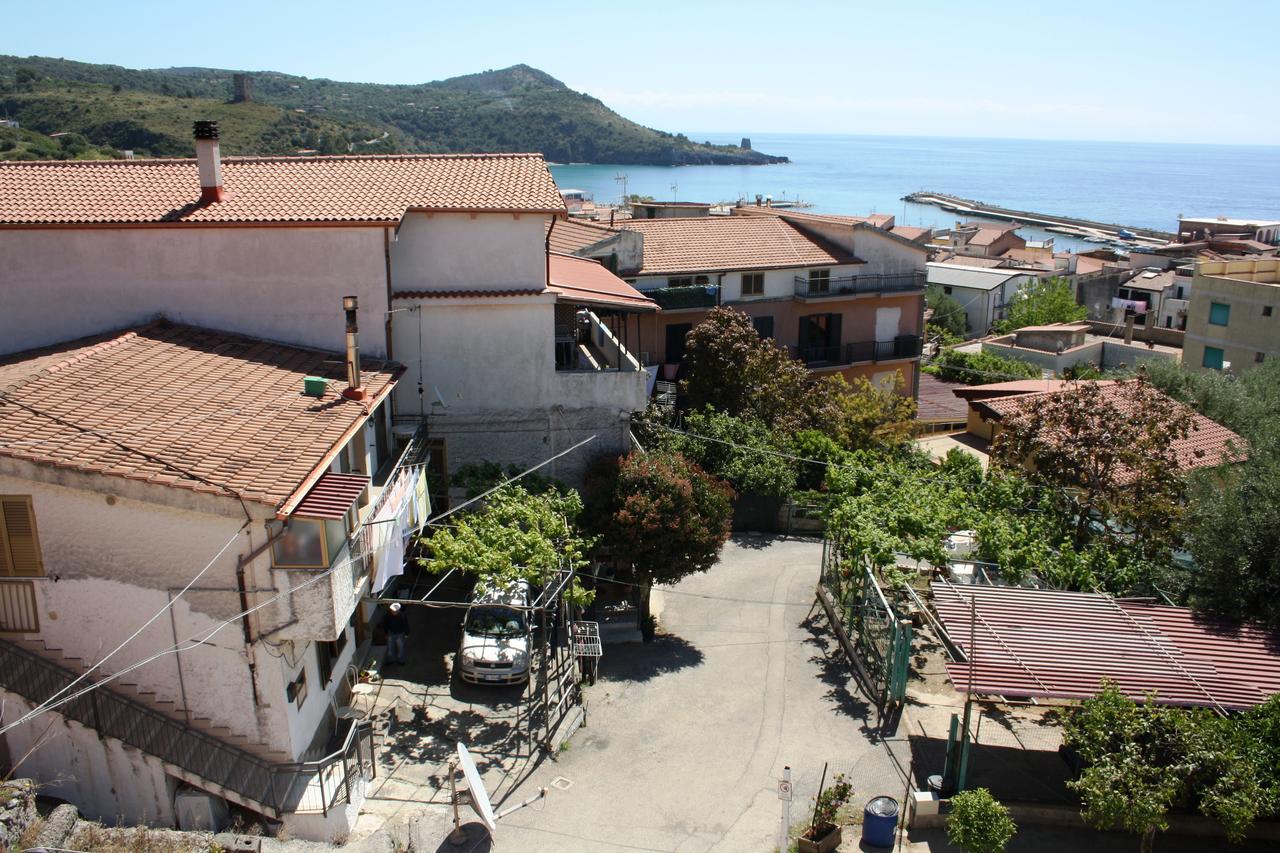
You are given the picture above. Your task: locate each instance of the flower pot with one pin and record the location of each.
(829, 838)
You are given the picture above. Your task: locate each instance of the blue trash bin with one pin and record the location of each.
(880, 822)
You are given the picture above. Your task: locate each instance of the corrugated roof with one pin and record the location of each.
(723, 243)
(332, 495)
(186, 407)
(584, 281)
(1207, 443)
(1046, 643)
(975, 278)
(274, 189)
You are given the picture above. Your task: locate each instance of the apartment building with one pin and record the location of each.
(1233, 319)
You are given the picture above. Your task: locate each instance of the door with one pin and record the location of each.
(675, 341)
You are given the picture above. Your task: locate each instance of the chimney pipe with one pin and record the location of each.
(353, 390)
(1128, 328)
(209, 159)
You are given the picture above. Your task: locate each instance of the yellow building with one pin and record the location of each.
(1233, 321)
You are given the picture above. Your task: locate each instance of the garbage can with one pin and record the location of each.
(880, 822)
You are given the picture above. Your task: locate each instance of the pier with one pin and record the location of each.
(1084, 228)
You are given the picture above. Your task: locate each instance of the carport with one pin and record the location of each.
(1049, 644)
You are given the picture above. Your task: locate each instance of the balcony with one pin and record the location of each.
(856, 352)
(858, 285)
(675, 298)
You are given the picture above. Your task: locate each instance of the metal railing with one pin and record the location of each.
(856, 285)
(256, 782)
(903, 346)
(18, 611)
(696, 296)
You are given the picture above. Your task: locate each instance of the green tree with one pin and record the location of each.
(979, 823)
(948, 313)
(746, 453)
(860, 415)
(1107, 453)
(979, 368)
(733, 370)
(515, 536)
(1041, 302)
(663, 513)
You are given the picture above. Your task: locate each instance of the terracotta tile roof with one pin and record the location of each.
(1015, 387)
(186, 407)
(792, 213)
(1204, 447)
(581, 280)
(971, 261)
(1086, 264)
(722, 243)
(274, 189)
(571, 235)
(911, 232)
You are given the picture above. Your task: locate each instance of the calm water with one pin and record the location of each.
(1125, 183)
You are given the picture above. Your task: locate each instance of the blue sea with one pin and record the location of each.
(1142, 184)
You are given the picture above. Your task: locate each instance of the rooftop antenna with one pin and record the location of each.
(621, 178)
(674, 188)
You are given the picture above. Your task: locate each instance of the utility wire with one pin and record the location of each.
(199, 639)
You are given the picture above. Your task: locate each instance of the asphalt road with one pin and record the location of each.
(687, 737)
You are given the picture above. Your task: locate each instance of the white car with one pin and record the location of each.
(495, 638)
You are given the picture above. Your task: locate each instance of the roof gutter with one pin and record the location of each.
(547, 248)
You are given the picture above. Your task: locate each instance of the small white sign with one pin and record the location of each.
(784, 790)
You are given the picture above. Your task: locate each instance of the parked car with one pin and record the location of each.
(495, 637)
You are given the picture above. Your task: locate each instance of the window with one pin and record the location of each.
(947, 290)
(701, 280)
(327, 655)
(1219, 314)
(763, 326)
(1212, 358)
(19, 544)
(676, 334)
(296, 691)
(1266, 310)
(752, 283)
(303, 546)
(819, 281)
(1259, 357)
(680, 281)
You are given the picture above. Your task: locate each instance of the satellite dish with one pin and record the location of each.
(479, 796)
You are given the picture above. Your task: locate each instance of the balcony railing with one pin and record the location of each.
(857, 285)
(697, 296)
(903, 346)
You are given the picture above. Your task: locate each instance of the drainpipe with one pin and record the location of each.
(547, 245)
(243, 589)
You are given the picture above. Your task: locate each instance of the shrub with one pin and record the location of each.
(979, 823)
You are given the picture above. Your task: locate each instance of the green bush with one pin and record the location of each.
(979, 823)
(979, 368)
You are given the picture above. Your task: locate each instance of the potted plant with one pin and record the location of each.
(823, 834)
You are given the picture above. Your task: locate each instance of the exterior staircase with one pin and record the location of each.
(202, 754)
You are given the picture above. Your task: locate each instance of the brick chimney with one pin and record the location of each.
(353, 391)
(210, 162)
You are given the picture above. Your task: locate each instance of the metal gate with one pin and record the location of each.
(879, 636)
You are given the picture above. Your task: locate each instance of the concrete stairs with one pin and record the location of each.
(168, 707)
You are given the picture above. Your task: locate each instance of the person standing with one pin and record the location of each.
(397, 625)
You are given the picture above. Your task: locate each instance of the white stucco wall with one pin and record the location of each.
(460, 251)
(283, 284)
(887, 255)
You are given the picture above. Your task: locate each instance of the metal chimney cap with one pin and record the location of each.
(205, 129)
(350, 303)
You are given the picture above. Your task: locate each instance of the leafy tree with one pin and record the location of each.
(948, 313)
(753, 465)
(860, 415)
(979, 368)
(479, 477)
(979, 823)
(732, 370)
(1041, 302)
(1107, 451)
(663, 513)
(515, 536)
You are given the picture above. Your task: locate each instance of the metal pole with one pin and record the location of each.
(786, 809)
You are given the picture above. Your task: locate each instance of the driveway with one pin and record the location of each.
(686, 737)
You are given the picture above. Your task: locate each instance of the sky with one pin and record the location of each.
(1133, 70)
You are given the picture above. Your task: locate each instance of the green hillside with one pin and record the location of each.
(513, 109)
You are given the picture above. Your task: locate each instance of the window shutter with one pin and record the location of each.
(20, 555)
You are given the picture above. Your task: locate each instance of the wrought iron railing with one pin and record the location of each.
(275, 788)
(903, 346)
(856, 285)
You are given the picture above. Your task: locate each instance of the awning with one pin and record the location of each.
(331, 496)
(1053, 644)
(587, 282)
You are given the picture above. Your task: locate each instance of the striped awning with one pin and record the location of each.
(332, 495)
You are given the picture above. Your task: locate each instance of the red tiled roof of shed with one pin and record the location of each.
(726, 243)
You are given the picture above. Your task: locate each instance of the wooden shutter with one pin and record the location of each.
(20, 548)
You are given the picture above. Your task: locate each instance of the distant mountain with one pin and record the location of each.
(512, 109)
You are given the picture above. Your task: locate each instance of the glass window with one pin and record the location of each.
(1212, 358)
(680, 281)
(763, 326)
(495, 621)
(752, 283)
(1219, 314)
(819, 281)
(1259, 357)
(301, 547)
(1266, 310)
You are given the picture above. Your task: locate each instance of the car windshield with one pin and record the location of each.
(495, 621)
